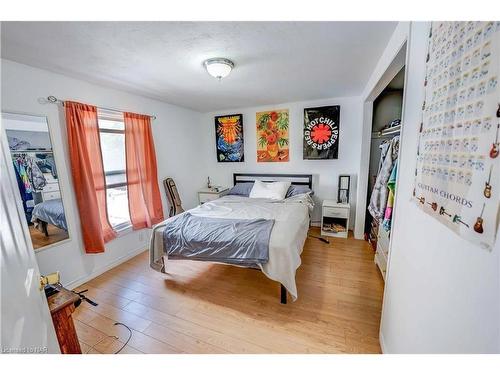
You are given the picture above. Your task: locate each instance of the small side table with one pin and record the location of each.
(335, 219)
(61, 306)
(206, 195)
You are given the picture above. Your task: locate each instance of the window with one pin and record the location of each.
(112, 135)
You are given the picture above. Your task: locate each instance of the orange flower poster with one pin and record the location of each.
(272, 136)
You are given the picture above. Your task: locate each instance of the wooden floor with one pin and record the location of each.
(211, 308)
(40, 240)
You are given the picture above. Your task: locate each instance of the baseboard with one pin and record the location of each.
(382, 343)
(99, 271)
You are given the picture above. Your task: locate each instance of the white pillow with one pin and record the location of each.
(269, 190)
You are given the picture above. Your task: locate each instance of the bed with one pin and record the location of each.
(49, 212)
(290, 218)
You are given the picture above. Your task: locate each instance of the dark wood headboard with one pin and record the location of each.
(295, 179)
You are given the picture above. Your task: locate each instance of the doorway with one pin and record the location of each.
(383, 126)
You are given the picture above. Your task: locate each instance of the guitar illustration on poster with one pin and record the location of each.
(478, 226)
(495, 146)
(487, 187)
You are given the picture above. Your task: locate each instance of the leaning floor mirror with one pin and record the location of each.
(37, 177)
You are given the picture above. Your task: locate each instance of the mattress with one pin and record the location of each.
(52, 212)
(291, 224)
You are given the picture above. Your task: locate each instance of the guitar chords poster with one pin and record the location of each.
(458, 172)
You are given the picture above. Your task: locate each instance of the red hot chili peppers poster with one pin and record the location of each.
(321, 132)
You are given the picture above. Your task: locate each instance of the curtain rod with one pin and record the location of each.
(53, 99)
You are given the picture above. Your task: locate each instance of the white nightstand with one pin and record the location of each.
(206, 195)
(335, 219)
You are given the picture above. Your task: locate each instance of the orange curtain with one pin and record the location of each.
(142, 177)
(88, 175)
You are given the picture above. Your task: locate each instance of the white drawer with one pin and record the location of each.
(51, 195)
(51, 187)
(383, 239)
(381, 263)
(383, 251)
(336, 212)
(381, 260)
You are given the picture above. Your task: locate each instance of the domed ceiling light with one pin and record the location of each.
(218, 67)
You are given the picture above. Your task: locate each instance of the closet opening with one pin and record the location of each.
(382, 170)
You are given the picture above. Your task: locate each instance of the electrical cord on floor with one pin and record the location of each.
(320, 238)
(114, 337)
(83, 298)
(129, 337)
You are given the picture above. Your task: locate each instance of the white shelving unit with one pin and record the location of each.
(382, 252)
(335, 219)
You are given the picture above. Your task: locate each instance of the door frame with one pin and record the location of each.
(396, 63)
(399, 55)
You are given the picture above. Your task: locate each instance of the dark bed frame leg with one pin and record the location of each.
(45, 229)
(283, 294)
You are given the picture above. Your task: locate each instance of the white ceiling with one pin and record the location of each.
(276, 62)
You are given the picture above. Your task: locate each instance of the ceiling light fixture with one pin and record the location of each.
(218, 67)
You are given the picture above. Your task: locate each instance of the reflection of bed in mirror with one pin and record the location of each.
(49, 212)
(37, 177)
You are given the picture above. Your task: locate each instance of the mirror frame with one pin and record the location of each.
(62, 186)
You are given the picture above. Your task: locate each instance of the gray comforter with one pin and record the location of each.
(233, 241)
(52, 212)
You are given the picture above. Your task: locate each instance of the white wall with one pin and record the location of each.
(325, 172)
(442, 293)
(176, 140)
(386, 109)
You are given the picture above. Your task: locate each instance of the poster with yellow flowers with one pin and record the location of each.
(272, 136)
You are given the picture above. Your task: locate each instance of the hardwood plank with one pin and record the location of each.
(119, 315)
(148, 344)
(177, 340)
(120, 334)
(181, 341)
(200, 307)
(278, 337)
(108, 327)
(109, 345)
(104, 296)
(87, 334)
(227, 343)
(85, 348)
(83, 314)
(129, 350)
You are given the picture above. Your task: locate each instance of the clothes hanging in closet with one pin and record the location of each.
(21, 167)
(391, 185)
(46, 163)
(384, 147)
(378, 200)
(30, 179)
